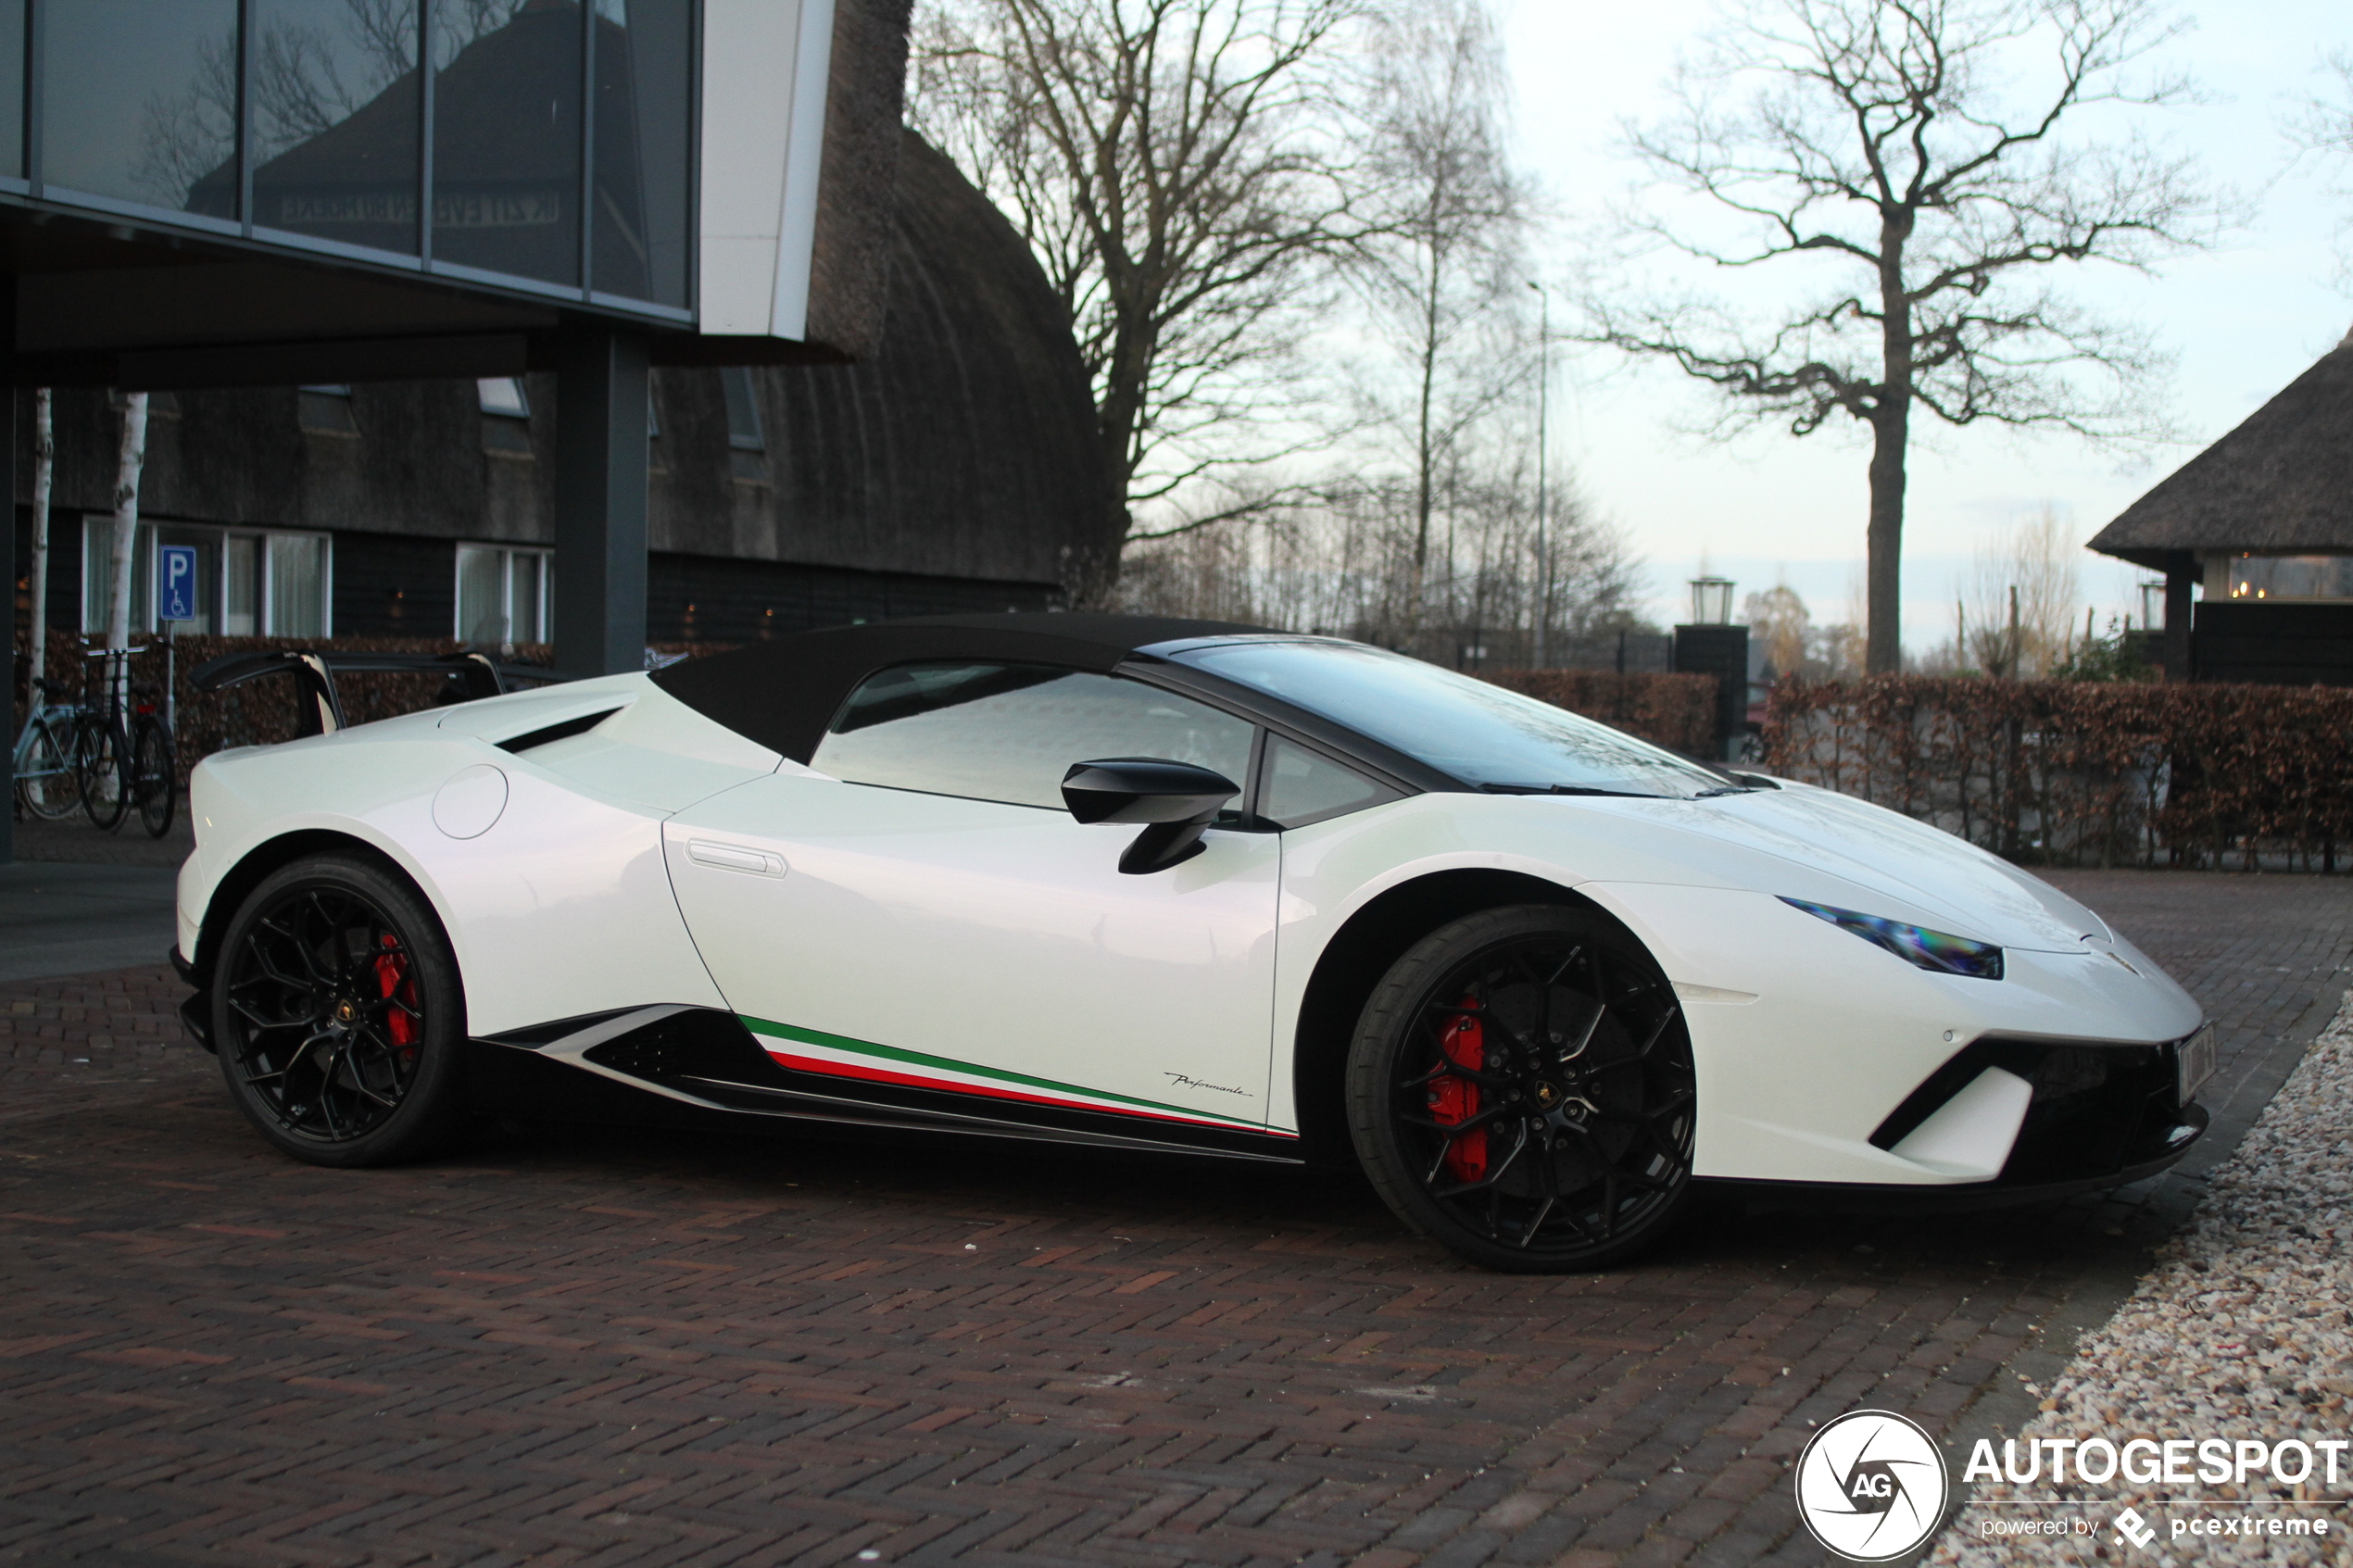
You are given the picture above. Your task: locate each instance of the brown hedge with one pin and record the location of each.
(2085, 774)
(1676, 712)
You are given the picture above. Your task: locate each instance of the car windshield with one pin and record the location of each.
(1479, 733)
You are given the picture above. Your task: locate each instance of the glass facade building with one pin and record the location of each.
(541, 147)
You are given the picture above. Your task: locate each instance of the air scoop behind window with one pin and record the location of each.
(563, 729)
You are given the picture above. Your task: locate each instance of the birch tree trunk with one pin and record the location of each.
(45, 454)
(131, 460)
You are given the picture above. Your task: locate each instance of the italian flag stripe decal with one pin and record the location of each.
(1017, 1086)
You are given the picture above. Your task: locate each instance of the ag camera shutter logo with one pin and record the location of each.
(1872, 1486)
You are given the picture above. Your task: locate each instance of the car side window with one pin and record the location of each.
(1010, 732)
(1302, 786)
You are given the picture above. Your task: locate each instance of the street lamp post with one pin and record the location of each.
(1543, 400)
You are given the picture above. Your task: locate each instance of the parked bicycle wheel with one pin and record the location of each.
(44, 772)
(153, 775)
(102, 768)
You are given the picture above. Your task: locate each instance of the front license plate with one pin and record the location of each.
(2198, 1061)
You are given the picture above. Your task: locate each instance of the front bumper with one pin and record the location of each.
(2005, 1191)
(195, 1012)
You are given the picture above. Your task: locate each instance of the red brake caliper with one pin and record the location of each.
(392, 974)
(1454, 1101)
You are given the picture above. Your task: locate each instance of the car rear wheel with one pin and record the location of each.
(337, 1014)
(1520, 1089)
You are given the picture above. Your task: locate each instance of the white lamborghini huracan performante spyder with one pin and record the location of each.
(1168, 886)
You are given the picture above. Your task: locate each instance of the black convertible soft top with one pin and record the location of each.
(783, 693)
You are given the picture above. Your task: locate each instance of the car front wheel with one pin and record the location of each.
(337, 1014)
(1520, 1089)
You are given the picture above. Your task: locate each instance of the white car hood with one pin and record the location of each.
(1986, 897)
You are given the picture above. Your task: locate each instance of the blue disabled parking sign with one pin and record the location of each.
(176, 584)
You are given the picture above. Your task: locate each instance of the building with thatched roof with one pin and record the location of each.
(2263, 521)
(951, 469)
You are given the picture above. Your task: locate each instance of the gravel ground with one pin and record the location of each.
(2239, 1332)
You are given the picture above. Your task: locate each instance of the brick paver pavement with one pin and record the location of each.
(608, 1348)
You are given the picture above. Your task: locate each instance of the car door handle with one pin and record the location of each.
(735, 858)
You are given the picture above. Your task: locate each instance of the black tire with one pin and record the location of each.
(102, 771)
(1520, 1090)
(153, 781)
(46, 786)
(339, 1015)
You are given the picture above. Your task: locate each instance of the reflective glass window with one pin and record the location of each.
(98, 535)
(506, 145)
(1302, 786)
(334, 119)
(502, 596)
(241, 586)
(1010, 732)
(743, 410)
(503, 395)
(297, 586)
(141, 101)
(11, 86)
(644, 122)
(208, 596)
(1479, 734)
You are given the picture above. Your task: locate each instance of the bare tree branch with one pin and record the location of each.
(1881, 135)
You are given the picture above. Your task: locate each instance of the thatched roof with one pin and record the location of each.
(2280, 483)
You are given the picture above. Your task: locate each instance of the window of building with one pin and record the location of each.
(2279, 577)
(11, 87)
(503, 594)
(743, 433)
(334, 120)
(140, 104)
(506, 178)
(250, 582)
(643, 136)
(144, 120)
(506, 407)
(747, 441)
(327, 410)
(1010, 732)
(504, 396)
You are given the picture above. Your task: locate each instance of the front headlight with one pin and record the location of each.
(1933, 950)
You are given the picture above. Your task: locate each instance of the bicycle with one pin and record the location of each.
(47, 785)
(153, 771)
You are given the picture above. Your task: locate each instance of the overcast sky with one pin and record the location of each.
(2244, 319)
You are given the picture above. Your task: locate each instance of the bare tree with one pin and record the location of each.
(1176, 166)
(1343, 562)
(1442, 270)
(1872, 138)
(2024, 595)
(2322, 126)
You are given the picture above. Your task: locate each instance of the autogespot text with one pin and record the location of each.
(2146, 1461)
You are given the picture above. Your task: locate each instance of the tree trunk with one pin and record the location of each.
(1891, 432)
(44, 455)
(131, 460)
(1889, 428)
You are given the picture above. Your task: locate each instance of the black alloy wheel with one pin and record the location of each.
(1520, 1089)
(337, 1014)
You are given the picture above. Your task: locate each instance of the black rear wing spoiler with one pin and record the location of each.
(319, 706)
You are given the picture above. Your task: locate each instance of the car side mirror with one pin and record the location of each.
(1174, 801)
